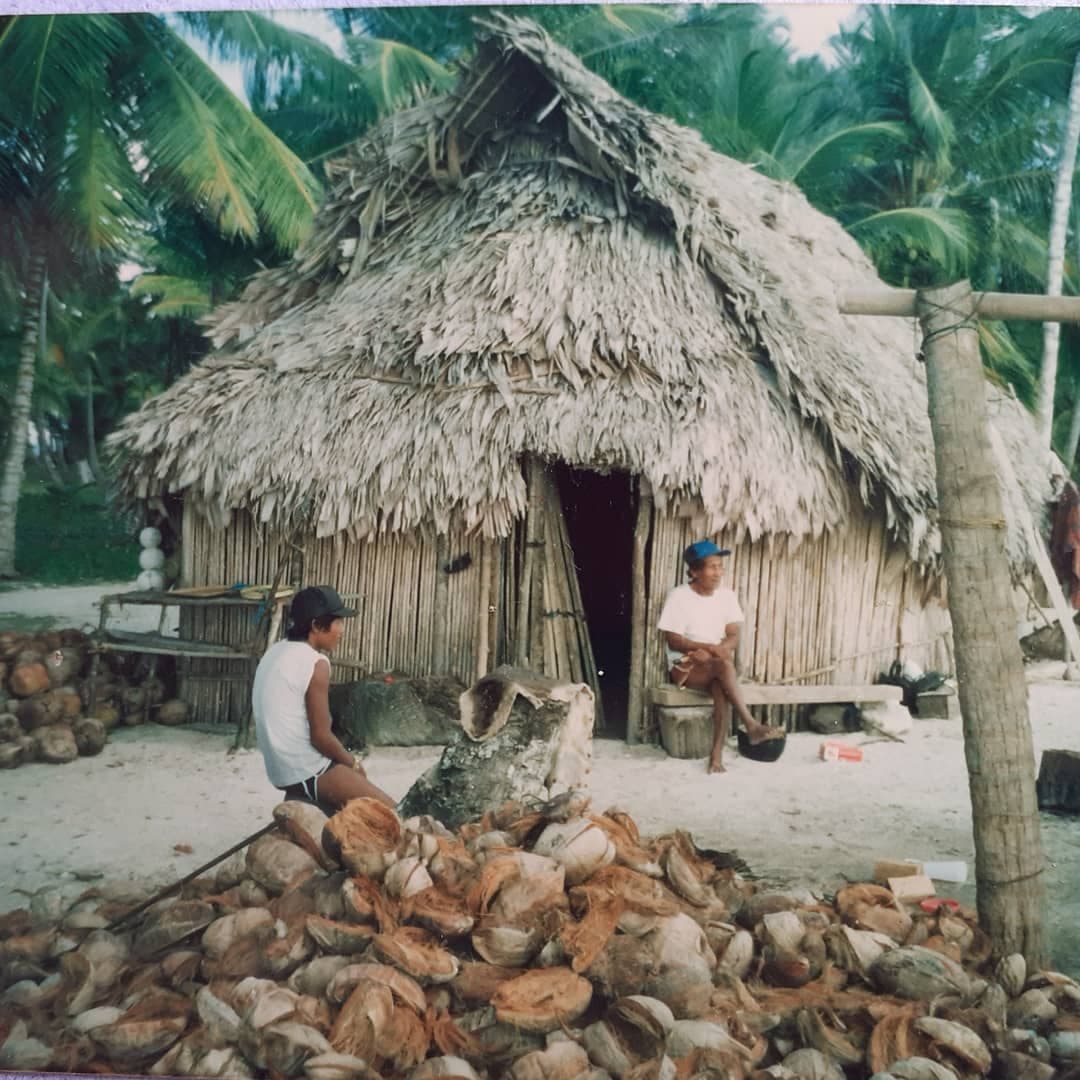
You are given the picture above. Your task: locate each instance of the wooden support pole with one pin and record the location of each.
(990, 673)
(986, 305)
(523, 621)
(634, 718)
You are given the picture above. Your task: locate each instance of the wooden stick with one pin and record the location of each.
(523, 622)
(638, 599)
(988, 305)
(170, 889)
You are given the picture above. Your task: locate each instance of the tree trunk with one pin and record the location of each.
(1059, 226)
(15, 458)
(989, 669)
(91, 438)
(45, 451)
(1074, 429)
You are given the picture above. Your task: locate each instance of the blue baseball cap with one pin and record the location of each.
(702, 550)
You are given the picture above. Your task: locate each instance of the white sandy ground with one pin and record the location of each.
(800, 821)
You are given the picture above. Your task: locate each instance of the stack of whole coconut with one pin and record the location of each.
(45, 690)
(542, 943)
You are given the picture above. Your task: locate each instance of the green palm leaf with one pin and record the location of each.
(394, 73)
(210, 147)
(178, 296)
(942, 234)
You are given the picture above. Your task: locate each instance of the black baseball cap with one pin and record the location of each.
(317, 601)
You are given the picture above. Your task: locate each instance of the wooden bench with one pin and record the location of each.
(684, 717)
(779, 694)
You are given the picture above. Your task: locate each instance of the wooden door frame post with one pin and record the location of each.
(990, 674)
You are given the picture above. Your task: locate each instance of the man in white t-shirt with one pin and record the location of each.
(700, 622)
(291, 703)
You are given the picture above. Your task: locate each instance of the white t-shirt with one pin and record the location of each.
(697, 617)
(281, 720)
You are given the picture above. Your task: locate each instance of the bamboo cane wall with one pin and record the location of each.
(847, 601)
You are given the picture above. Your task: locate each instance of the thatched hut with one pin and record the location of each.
(538, 340)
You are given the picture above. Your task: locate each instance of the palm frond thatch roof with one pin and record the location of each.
(533, 264)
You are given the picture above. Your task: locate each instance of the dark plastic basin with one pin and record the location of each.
(769, 750)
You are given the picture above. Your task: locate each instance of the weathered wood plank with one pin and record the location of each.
(762, 694)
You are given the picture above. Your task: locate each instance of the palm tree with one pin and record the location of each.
(102, 115)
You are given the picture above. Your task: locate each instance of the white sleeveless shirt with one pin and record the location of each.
(281, 720)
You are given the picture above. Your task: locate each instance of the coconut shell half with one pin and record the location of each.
(542, 1000)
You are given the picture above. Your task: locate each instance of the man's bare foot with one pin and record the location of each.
(763, 733)
(716, 766)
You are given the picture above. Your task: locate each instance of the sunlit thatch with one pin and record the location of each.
(532, 264)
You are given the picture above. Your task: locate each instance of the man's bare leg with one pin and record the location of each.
(726, 676)
(339, 784)
(721, 727)
(718, 678)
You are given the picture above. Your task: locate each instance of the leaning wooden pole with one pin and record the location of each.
(990, 674)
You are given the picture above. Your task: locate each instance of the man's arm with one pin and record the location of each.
(317, 700)
(723, 649)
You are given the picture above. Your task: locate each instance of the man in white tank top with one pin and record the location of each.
(700, 622)
(290, 700)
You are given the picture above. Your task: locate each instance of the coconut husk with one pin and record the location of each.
(181, 967)
(815, 1033)
(918, 973)
(55, 744)
(447, 1067)
(896, 1037)
(283, 955)
(27, 678)
(90, 736)
(415, 952)
(363, 902)
(405, 989)
(313, 977)
(224, 932)
(628, 850)
(335, 1066)
(172, 713)
(363, 837)
(492, 877)
(438, 912)
(344, 939)
(278, 864)
(452, 868)
(287, 1045)
(580, 847)
(543, 1000)
(449, 1037)
(165, 927)
(407, 877)
(585, 939)
(560, 1061)
(871, 907)
(145, 1030)
(362, 1019)
(303, 824)
(476, 983)
(404, 1042)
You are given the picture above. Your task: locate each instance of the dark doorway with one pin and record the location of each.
(600, 510)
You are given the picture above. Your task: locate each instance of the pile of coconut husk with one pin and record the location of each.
(542, 943)
(45, 696)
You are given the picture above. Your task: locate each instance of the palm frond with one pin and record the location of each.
(43, 57)
(940, 233)
(196, 133)
(178, 296)
(94, 182)
(395, 73)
